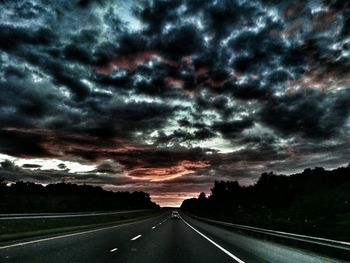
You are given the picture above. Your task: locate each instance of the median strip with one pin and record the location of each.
(16, 229)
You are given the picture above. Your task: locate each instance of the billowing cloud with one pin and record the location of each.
(168, 96)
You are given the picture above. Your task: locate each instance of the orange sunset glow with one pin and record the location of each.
(163, 174)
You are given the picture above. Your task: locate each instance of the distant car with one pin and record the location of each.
(175, 215)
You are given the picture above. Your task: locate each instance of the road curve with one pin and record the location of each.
(157, 239)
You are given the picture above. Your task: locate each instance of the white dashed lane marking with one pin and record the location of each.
(134, 238)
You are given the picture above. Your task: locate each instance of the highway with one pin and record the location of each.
(156, 239)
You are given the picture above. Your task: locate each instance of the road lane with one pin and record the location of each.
(88, 247)
(158, 239)
(172, 241)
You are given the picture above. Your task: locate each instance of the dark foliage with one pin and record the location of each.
(314, 202)
(26, 197)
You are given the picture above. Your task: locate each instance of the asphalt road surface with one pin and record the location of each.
(157, 239)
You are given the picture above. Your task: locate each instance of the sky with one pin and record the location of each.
(168, 96)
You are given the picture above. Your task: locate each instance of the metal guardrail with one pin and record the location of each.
(65, 215)
(340, 246)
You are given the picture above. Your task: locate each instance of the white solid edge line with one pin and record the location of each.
(114, 249)
(215, 244)
(134, 238)
(63, 236)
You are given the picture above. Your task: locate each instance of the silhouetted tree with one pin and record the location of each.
(315, 201)
(7, 164)
(29, 197)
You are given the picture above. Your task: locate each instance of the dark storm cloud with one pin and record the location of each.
(231, 129)
(123, 119)
(181, 136)
(108, 167)
(181, 41)
(11, 37)
(84, 3)
(311, 114)
(236, 87)
(31, 165)
(35, 104)
(22, 144)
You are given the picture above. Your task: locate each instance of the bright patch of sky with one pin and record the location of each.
(50, 164)
(126, 15)
(219, 144)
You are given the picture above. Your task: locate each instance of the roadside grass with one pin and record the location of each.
(18, 229)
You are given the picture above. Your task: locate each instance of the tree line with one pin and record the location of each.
(28, 197)
(314, 202)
